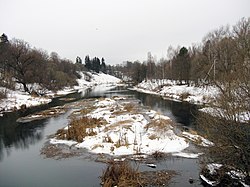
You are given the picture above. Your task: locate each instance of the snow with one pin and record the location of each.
(211, 183)
(169, 89)
(187, 155)
(213, 169)
(128, 133)
(96, 79)
(15, 99)
(65, 142)
(243, 117)
(196, 95)
(198, 139)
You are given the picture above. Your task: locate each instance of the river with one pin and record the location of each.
(20, 143)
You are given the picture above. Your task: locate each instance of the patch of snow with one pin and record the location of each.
(169, 89)
(65, 142)
(217, 112)
(198, 139)
(187, 155)
(213, 167)
(15, 99)
(211, 183)
(151, 165)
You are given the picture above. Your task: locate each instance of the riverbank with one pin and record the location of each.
(171, 90)
(18, 99)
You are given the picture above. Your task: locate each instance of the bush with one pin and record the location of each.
(184, 95)
(79, 128)
(2, 95)
(120, 174)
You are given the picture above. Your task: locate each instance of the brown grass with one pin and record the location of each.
(129, 107)
(153, 137)
(158, 155)
(160, 125)
(123, 141)
(124, 123)
(184, 95)
(122, 174)
(79, 128)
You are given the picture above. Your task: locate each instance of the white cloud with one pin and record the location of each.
(116, 29)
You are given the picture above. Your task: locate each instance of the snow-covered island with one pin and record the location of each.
(18, 99)
(120, 126)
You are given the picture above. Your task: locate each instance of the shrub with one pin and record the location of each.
(79, 128)
(120, 174)
(184, 95)
(2, 95)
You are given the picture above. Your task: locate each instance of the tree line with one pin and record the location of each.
(223, 53)
(20, 63)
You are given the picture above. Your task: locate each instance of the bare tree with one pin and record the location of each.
(20, 60)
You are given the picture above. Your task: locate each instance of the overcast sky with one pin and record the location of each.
(117, 30)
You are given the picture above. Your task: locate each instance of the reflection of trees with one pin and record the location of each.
(181, 111)
(19, 136)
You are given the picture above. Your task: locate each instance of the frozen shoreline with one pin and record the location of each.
(19, 99)
(169, 89)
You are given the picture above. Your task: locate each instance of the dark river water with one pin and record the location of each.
(20, 143)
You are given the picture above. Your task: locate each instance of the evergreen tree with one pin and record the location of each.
(4, 38)
(88, 63)
(78, 60)
(103, 66)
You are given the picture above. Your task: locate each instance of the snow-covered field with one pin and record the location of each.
(18, 98)
(130, 131)
(169, 89)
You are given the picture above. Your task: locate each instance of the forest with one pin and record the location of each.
(222, 55)
(20, 63)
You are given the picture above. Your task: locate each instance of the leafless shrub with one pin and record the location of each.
(160, 125)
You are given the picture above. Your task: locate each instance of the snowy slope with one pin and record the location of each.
(15, 99)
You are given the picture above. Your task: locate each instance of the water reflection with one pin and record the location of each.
(18, 136)
(181, 112)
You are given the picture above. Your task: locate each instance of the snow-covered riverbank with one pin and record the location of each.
(18, 99)
(169, 89)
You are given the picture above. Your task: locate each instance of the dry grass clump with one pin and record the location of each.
(160, 125)
(153, 137)
(79, 128)
(123, 141)
(184, 95)
(129, 107)
(124, 123)
(122, 174)
(126, 108)
(158, 155)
